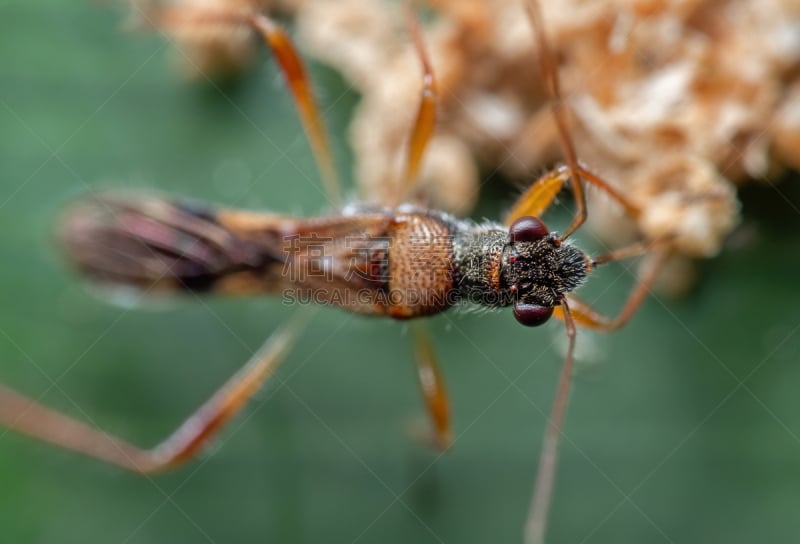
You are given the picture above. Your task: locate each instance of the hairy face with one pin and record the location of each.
(542, 271)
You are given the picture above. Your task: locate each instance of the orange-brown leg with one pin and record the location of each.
(586, 316)
(27, 416)
(575, 171)
(538, 197)
(294, 73)
(430, 377)
(552, 83)
(431, 383)
(300, 85)
(574, 312)
(426, 115)
(534, 202)
(536, 524)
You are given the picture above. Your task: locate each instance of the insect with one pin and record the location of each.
(401, 261)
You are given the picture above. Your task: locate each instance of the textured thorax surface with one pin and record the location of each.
(420, 264)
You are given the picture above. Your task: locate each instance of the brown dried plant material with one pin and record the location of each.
(673, 101)
(383, 67)
(786, 127)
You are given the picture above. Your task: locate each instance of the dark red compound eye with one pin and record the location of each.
(532, 315)
(527, 229)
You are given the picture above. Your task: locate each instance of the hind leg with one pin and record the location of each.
(26, 416)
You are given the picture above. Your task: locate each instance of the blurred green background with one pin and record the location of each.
(683, 427)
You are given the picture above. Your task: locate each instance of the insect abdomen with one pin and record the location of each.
(154, 244)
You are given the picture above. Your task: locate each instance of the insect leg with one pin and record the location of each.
(300, 85)
(27, 416)
(633, 250)
(536, 523)
(426, 114)
(574, 312)
(586, 316)
(538, 197)
(630, 208)
(292, 67)
(553, 87)
(431, 383)
(541, 194)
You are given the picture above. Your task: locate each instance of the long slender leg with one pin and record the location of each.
(292, 67)
(26, 416)
(575, 313)
(553, 87)
(535, 201)
(633, 250)
(300, 84)
(431, 383)
(426, 114)
(632, 209)
(586, 316)
(536, 524)
(538, 197)
(430, 377)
